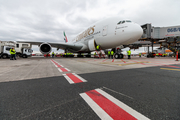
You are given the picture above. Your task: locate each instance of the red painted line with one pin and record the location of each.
(104, 60)
(63, 70)
(52, 60)
(74, 78)
(59, 65)
(113, 60)
(123, 61)
(56, 63)
(109, 107)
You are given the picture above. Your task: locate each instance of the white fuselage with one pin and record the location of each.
(109, 34)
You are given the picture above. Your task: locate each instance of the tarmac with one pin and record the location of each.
(90, 89)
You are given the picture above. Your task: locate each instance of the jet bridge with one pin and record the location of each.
(168, 37)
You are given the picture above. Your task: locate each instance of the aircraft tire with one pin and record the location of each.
(121, 56)
(116, 56)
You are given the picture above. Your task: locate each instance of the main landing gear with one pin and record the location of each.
(117, 53)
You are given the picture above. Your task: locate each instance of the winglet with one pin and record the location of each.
(65, 39)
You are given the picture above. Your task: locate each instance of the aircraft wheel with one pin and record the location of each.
(121, 56)
(116, 56)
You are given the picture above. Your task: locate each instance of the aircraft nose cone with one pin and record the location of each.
(137, 31)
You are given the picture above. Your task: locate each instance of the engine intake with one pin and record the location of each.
(45, 48)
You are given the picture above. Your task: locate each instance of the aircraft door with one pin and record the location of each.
(105, 30)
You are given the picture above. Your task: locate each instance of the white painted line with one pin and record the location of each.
(53, 63)
(98, 110)
(79, 77)
(134, 113)
(68, 79)
(60, 65)
(63, 68)
(67, 69)
(59, 69)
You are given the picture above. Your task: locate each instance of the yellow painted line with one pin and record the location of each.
(170, 69)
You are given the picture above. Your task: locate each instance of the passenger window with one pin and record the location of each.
(123, 22)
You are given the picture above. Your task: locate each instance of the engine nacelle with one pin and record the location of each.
(45, 48)
(91, 45)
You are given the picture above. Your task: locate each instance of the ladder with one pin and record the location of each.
(100, 53)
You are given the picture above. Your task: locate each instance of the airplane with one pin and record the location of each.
(107, 33)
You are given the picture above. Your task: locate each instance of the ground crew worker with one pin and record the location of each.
(129, 54)
(94, 54)
(157, 54)
(97, 47)
(13, 54)
(109, 54)
(52, 54)
(139, 54)
(112, 54)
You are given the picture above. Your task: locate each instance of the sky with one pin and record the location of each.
(45, 20)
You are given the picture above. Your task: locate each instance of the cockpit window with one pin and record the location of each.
(119, 22)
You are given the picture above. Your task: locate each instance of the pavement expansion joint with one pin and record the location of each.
(116, 92)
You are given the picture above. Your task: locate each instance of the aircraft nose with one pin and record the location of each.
(137, 31)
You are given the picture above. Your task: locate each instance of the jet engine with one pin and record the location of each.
(45, 48)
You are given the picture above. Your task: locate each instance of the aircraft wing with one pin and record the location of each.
(68, 46)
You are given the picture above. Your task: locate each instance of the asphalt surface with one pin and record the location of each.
(44, 94)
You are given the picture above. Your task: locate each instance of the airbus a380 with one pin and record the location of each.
(107, 33)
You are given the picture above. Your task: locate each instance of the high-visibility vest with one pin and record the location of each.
(112, 52)
(109, 52)
(52, 53)
(139, 53)
(97, 47)
(12, 52)
(129, 52)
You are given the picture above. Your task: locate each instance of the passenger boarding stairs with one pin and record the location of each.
(100, 52)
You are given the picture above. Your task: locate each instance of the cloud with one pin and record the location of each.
(45, 20)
